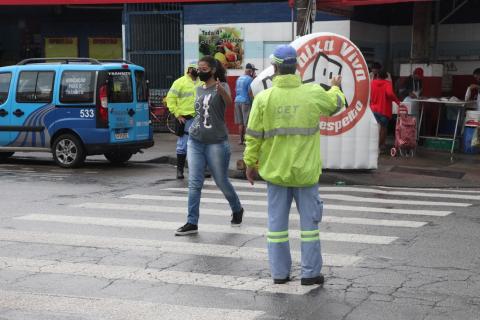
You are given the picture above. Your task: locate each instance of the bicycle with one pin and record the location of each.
(166, 118)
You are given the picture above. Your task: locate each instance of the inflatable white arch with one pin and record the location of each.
(349, 138)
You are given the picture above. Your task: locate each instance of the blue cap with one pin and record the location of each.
(284, 54)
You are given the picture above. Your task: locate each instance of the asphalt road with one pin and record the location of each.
(98, 243)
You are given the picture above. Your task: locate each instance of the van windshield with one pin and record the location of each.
(120, 83)
(4, 86)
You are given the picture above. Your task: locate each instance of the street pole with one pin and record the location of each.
(302, 6)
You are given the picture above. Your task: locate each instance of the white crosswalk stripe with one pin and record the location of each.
(357, 190)
(444, 192)
(434, 213)
(264, 203)
(191, 248)
(400, 193)
(150, 275)
(252, 214)
(167, 210)
(168, 225)
(341, 197)
(114, 309)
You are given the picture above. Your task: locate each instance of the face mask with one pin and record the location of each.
(194, 73)
(204, 76)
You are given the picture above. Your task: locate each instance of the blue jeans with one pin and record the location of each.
(217, 157)
(182, 141)
(310, 207)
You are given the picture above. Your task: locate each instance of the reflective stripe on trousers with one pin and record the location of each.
(310, 208)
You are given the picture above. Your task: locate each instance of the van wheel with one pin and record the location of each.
(68, 151)
(5, 155)
(118, 157)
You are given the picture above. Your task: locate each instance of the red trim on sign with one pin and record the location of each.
(345, 52)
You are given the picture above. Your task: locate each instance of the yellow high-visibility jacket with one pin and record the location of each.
(181, 96)
(283, 135)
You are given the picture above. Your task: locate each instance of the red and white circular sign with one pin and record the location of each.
(321, 56)
(326, 55)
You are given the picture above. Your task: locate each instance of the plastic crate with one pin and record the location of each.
(440, 145)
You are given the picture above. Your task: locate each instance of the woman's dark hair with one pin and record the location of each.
(221, 73)
(383, 74)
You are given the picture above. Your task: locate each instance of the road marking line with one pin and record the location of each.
(263, 185)
(434, 213)
(434, 189)
(203, 200)
(35, 174)
(168, 225)
(112, 272)
(236, 183)
(399, 193)
(325, 206)
(340, 197)
(115, 309)
(254, 214)
(158, 246)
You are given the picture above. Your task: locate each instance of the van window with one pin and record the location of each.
(35, 86)
(120, 83)
(141, 86)
(77, 87)
(4, 86)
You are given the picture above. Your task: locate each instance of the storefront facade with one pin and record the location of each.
(163, 37)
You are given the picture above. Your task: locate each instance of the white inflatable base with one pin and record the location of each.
(354, 149)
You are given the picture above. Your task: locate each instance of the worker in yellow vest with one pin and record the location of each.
(180, 102)
(283, 142)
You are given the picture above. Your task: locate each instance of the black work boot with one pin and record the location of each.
(311, 281)
(180, 165)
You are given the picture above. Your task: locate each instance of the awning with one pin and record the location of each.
(336, 3)
(363, 2)
(74, 2)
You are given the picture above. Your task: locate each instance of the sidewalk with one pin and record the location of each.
(428, 169)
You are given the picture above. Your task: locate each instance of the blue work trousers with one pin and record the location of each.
(182, 141)
(310, 207)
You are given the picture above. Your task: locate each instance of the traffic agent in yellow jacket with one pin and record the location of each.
(181, 102)
(181, 96)
(283, 136)
(283, 139)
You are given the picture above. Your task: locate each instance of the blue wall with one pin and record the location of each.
(242, 13)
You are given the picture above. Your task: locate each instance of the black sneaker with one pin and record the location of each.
(187, 229)
(311, 281)
(237, 218)
(281, 281)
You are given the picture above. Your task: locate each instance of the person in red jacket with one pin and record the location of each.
(381, 97)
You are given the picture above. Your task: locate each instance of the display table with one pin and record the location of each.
(460, 107)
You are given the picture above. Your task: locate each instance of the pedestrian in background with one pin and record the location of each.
(381, 97)
(243, 100)
(473, 90)
(411, 89)
(208, 143)
(375, 71)
(180, 101)
(283, 140)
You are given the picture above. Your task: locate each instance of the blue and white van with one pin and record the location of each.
(74, 107)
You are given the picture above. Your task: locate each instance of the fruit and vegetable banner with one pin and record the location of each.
(223, 43)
